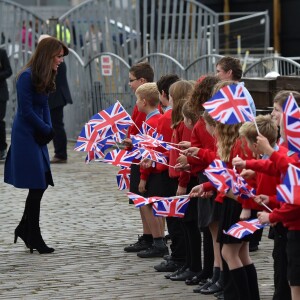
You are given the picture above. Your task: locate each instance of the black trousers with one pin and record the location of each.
(3, 144)
(60, 138)
(175, 229)
(282, 288)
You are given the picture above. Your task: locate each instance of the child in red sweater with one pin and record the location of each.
(150, 179)
(177, 256)
(208, 209)
(277, 162)
(139, 74)
(239, 272)
(179, 93)
(287, 214)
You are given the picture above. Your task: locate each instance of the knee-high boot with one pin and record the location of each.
(22, 229)
(35, 239)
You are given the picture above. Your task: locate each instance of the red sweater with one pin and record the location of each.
(288, 214)
(180, 133)
(267, 177)
(138, 118)
(153, 122)
(202, 139)
(164, 125)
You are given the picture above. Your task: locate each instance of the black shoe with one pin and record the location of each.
(140, 245)
(196, 279)
(37, 242)
(153, 251)
(180, 270)
(168, 266)
(183, 276)
(202, 284)
(214, 288)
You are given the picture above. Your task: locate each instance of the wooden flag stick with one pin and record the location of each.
(267, 207)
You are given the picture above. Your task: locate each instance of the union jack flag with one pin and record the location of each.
(142, 141)
(122, 158)
(289, 192)
(245, 190)
(221, 177)
(153, 155)
(243, 228)
(148, 130)
(93, 155)
(172, 207)
(123, 178)
(84, 141)
(111, 120)
(291, 123)
(141, 201)
(229, 105)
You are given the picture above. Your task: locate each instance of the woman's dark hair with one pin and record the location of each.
(41, 64)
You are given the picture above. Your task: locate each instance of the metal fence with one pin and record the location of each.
(105, 38)
(281, 65)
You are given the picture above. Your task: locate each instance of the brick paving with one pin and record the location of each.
(88, 222)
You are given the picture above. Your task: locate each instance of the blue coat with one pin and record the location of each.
(27, 162)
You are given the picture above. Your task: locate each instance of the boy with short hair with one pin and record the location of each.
(265, 181)
(265, 184)
(139, 74)
(230, 68)
(151, 180)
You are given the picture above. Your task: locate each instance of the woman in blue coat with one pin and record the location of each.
(27, 164)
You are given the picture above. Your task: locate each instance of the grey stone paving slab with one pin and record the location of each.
(88, 222)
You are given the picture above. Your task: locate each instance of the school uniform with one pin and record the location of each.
(192, 236)
(278, 162)
(208, 208)
(138, 118)
(288, 214)
(175, 230)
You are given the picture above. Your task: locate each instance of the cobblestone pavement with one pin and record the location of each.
(88, 222)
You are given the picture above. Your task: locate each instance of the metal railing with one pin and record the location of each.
(281, 65)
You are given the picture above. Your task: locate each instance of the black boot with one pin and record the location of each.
(252, 281)
(21, 230)
(35, 239)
